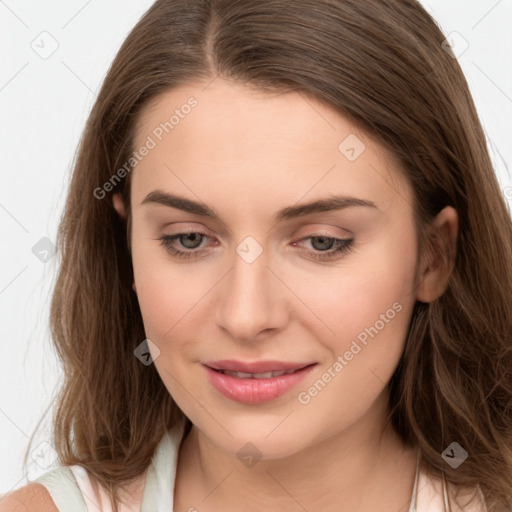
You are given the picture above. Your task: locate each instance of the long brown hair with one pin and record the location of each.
(383, 66)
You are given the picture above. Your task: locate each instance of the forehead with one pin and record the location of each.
(258, 145)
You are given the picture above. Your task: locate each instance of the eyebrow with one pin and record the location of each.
(336, 202)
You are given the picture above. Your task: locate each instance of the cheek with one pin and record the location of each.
(372, 285)
(164, 290)
(173, 296)
(368, 305)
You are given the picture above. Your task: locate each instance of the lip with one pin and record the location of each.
(256, 391)
(255, 366)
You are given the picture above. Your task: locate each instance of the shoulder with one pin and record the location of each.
(31, 497)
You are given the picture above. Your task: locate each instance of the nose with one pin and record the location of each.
(251, 300)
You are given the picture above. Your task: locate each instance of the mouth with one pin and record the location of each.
(255, 387)
(260, 369)
(264, 375)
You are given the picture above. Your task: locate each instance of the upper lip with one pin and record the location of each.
(255, 366)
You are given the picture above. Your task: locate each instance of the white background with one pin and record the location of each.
(43, 107)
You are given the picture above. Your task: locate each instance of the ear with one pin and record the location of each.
(119, 205)
(437, 262)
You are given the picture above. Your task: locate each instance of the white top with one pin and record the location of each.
(71, 488)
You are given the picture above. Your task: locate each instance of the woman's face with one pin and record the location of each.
(261, 277)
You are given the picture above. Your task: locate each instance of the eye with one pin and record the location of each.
(328, 247)
(190, 241)
(324, 247)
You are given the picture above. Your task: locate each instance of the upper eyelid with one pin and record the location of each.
(176, 236)
(311, 231)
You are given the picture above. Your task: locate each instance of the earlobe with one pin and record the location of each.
(437, 263)
(119, 205)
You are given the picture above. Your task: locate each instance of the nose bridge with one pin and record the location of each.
(249, 300)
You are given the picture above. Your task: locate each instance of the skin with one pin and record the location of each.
(247, 155)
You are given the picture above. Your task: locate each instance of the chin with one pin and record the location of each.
(260, 439)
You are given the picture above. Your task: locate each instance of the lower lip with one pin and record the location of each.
(255, 391)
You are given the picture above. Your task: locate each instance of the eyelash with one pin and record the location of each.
(341, 246)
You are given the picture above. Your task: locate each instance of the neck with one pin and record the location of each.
(360, 468)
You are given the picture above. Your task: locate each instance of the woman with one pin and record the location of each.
(286, 272)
